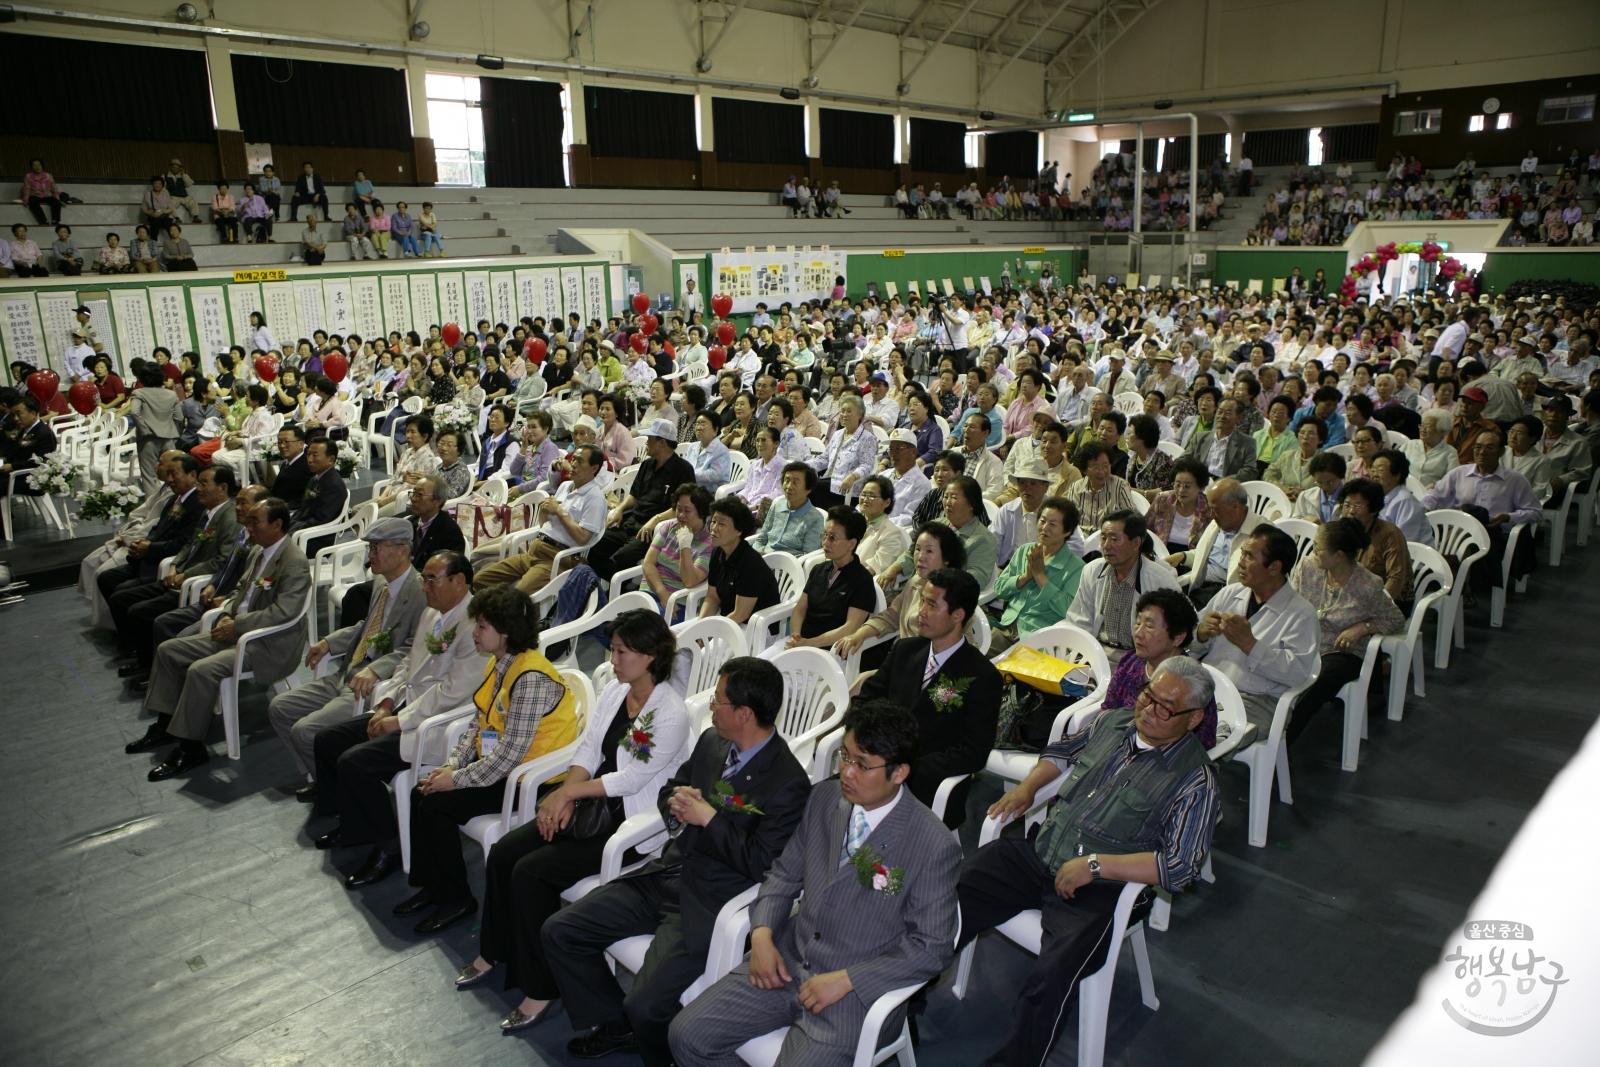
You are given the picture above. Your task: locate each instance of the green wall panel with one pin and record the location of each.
(1243, 264)
(1503, 268)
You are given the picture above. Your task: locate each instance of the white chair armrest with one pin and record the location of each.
(690, 599)
(727, 943)
(941, 796)
(636, 832)
(877, 1015)
(448, 721)
(522, 785)
(626, 575)
(828, 745)
(325, 665)
(164, 568)
(993, 823)
(209, 620)
(1070, 720)
(730, 488)
(192, 588)
(755, 627)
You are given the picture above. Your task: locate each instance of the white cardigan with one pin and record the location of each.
(638, 782)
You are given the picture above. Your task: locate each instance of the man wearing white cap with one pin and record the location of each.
(79, 353)
(910, 484)
(372, 649)
(1018, 521)
(633, 522)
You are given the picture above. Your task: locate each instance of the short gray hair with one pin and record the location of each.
(1195, 678)
(1235, 494)
(437, 486)
(1441, 417)
(856, 401)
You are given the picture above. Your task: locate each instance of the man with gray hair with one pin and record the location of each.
(371, 650)
(1232, 521)
(1095, 839)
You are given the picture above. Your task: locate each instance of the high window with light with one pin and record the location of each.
(455, 118)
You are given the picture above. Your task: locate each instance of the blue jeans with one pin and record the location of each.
(431, 237)
(408, 243)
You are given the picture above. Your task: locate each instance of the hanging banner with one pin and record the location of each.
(453, 301)
(131, 307)
(211, 322)
(424, 304)
(282, 319)
(572, 291)
(529, 301)
(169, 312)
(308, 302)
(341, 313)
(20, 329)
(550, 298)
(99, 305)
(503, 294)
(367, 299)
(479, 304)
(56, 320)
(396, 303)
(243, 300)
(594, 293)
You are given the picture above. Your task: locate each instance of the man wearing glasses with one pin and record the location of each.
(1138, 804)
(1496, 496)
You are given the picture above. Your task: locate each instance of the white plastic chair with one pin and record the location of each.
(1354, 696)
(571, 631)
(1556, 516)
(1268, 500)
(406, 780)
(1270, 756)
(622, 485)
(1129, 403)
(1347, 451)
(1497, 597)
(494, 489)
(1170, 448)
(345, 566)
(1065, 642)
(45, 504)
(738, 467)
(1430, 583)
(228, 694)
(1455, 533)
(711, 643)
(370, 440)
(791, 583)
(1304, 532)
(815, 696)
(1586, 509)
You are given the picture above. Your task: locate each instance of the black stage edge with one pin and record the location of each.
(50, 564)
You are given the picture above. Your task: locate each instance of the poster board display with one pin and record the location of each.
(771, 278)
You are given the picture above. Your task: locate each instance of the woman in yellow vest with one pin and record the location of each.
(524, 711)
(636, 739)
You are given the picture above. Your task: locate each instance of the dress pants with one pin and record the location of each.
(179, 622)
(524, 876)
(1338, 668)
(1006, 877)
(123, 587)
(185, 680)
(711, 1028)
(353, 773)
(302, 713)
(530, 570)
(618, 549)
(575, 941)
(142, 617)
(106, 556)
(150, 449)
(436, 820)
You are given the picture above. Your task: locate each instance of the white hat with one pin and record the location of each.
(665, 429)
(1033, 468)
(903, 437)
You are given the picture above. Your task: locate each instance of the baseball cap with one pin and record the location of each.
(1472, 392)
(1033, 468)
(903, 437)
(665, 429)
(1559, 403)
(391, 529)
(82, 309)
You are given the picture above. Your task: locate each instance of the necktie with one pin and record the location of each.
(859, 831)
(931, 670)
(374, 624)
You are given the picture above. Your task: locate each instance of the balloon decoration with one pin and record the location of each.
(84, 397)
(716, 355)
(641, 303)
(535, 349)
(721, 304)
(672, 353)
(44, 384)
(267, 368)
(1428, 251)
(639, 343)
(451, 333)
(648, 323)
(726, 333)
(335, 366)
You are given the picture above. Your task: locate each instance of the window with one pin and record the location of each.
(1314, 147)
(972, 150)
(1475, 124)
(1412, 122)
(456, 121)
(1503, 121)
(1227, 148)
(1567, 109)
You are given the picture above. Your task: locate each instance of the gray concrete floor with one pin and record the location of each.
(192, 922)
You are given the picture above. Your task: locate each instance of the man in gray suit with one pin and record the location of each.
(879, 873)
(1227, 451)
(225, 572)
(372, 649)
(189, 670)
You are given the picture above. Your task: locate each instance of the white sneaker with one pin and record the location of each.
(296, 259)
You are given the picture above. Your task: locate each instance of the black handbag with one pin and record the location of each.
(591, 817)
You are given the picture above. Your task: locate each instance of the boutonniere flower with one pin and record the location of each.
(874, 874)
(174, 511)
(437, 645)
(382, 642)
(640, 740)
(205, 537)
(266, 582)
(732, 801)
(948, 694)
(312, 491)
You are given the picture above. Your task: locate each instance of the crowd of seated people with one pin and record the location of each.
(878, 448)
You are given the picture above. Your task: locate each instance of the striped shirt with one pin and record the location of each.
(669, 556)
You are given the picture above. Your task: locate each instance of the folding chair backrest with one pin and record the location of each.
(711, 643)
(813, 689)
(1067, 642)
(791, 577)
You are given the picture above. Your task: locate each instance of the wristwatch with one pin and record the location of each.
(1094, 866)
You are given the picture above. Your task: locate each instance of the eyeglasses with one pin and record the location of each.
(1163, 710)
(846, 758)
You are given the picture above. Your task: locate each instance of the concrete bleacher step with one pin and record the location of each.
(249, 255)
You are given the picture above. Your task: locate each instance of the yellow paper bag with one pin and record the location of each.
(1045, 673)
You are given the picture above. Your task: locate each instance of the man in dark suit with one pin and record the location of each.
(134, 608)
(878, 872)
(23, 440)
(308, 189)
(325, 494)
(739, 798)
(949, 686)
(226, 571)
(293, 475)
(124, 585)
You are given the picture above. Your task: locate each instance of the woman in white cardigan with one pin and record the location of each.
(633, 743)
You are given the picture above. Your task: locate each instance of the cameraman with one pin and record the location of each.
(950, 335)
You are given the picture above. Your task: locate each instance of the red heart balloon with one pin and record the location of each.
(721, 304)
(535, 349)
(639, 343)
(335, 366)
(726, 333)
(84, 397)
(451, 334)
(641, 303)
(44, 384)
(673, 352)
(648, 323)
(267, 368)
(716, 355)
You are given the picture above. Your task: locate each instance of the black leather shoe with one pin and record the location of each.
(182, 759)
(306, 793)
(133, 670)
(379, 866)
(413, 904)
(447, 915)
(154, 737)
(598, 1042)
(328, 840)
(142, 685)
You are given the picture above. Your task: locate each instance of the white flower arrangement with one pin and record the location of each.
(113, 501)
(349, 459)
(57, 473)
(456, 416)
